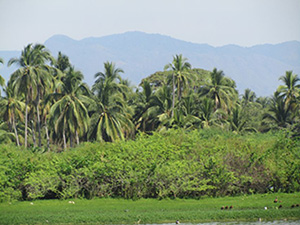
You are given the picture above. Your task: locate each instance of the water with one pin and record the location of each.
(278, 222)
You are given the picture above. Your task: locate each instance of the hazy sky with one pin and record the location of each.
(215, 22)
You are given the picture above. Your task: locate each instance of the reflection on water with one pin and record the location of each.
(279, 222)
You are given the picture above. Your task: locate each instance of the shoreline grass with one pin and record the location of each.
(147, 211)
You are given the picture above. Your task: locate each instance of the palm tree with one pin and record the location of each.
(110, 122)
(106, 83)
(44, 81)
(69, 113)
(279, 111)
(26, 79)
(143, 103)
(248, 97)
(187, 111)
(45, 111)
(61, 66)
(206, 112)
(238, 121)
(62, 63)
(164, 110)
(290, 89)
(11, 109)
(109, 117)
(220, 89)
(179, 66)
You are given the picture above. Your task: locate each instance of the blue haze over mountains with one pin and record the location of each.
(140, 55)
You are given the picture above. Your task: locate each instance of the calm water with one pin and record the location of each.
(279, 222)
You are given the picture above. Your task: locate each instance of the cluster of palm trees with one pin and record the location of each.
(46, 103)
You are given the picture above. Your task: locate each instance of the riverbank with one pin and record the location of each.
(148, 211)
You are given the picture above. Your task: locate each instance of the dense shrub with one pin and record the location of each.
(177, 163)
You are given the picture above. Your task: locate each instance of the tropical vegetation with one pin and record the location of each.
(46, 103)
(129, 140)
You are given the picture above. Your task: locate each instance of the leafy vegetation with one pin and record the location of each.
(47, 104)
(175, 164)
(182, 133)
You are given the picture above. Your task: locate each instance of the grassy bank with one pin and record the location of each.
(121, 211)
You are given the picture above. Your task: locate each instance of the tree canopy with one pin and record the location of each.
(48, 105)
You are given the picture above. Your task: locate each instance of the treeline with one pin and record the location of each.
(173, 164)
(47, 105)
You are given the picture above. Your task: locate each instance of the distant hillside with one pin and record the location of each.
(141, 54)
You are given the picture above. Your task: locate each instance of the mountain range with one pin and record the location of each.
(141, 54)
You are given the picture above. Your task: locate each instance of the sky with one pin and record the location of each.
(214, 22)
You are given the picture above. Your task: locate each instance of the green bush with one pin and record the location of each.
(177, 163)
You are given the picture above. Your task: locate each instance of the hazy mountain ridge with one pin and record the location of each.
(140, 54)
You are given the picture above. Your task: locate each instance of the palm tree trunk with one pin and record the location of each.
(71, 140)
(77, 138)
(33, 134)
(47, 136)
(16, 132)
(173, 97)
(26, 121)
(64, 137)
(179, 91)
(38, 117)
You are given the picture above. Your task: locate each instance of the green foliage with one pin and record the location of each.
(41, 184)
(51, 104)
(173, 164)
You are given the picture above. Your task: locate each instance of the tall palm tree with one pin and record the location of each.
(109, 117)
(179, 66)
(219, 89)
(69, 113)
(109, 122)
(44, 82)
(62, 63)
(26, 79)
(60, 67)
(45, 111)
(106, 83)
